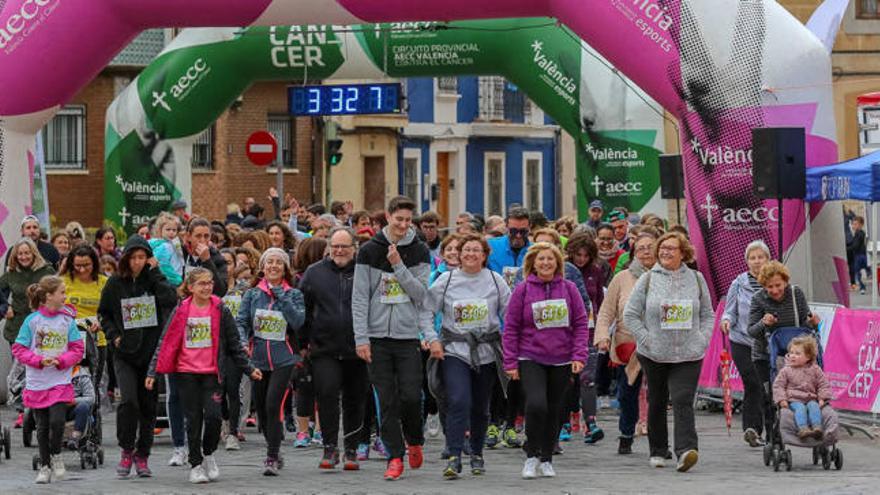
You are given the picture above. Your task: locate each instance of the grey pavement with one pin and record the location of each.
(727, 465)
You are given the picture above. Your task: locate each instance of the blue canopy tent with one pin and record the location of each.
(857, 179)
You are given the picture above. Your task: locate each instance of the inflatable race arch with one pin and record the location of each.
(153, 123)
(722, 67)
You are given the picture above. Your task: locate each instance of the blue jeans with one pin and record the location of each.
(628, 397)
(467, 403)
(81, 413)
(806, 415)
(175, 412)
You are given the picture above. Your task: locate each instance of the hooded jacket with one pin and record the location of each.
(327, 290)
(551, 345)
(225, 341)
(138, 344)
(644, 315)
(386, 299)
(272, 354)
(736, 308)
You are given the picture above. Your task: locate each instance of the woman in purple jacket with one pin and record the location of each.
(545, 341)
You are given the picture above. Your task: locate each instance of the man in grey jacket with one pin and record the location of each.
(390, 283)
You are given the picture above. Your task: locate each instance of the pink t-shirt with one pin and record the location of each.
(197, 350)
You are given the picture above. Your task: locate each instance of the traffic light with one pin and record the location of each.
(334, 156)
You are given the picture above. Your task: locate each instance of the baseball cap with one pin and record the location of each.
(178, 205)
(596, 204)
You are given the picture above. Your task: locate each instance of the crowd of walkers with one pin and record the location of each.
(489, 330)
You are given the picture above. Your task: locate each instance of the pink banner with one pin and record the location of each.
(710, 375)
(852, 360)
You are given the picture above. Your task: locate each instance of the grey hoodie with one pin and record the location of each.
(386, 300)
(654, 295)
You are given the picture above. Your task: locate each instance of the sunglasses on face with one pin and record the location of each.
(518, 232)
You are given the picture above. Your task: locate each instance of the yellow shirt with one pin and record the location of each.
(85, 297)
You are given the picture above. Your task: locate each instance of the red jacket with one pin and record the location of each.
(225, 340)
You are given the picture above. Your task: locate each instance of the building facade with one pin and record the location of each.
(477, 144)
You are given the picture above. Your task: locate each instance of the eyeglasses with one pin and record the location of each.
(643, 249)
(82, 266)
(669, 249)
(518, 232)
(472, 250)
(341, 246)
(204, 283)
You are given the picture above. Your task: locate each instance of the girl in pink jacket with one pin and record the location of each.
(802, 386)
(49, 344)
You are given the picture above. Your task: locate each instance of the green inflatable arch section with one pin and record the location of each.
(153, 123)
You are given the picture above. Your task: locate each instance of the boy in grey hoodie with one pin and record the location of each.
(390, 283)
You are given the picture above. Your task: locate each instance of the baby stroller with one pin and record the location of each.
(88, 446)
(783, 433)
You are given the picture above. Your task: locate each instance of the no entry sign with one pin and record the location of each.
(261, 148)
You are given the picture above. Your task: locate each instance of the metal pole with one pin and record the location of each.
(779, 223)
(279, 173)
(809, 253)
(873, 264)
(678, 210)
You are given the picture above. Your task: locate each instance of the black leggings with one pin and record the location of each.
(270, 395)
(200, 396)
(544, 387)
(762, 369)
(752, 408)
(303, 378)
(136, 413)
(50, 430)
(231, 409)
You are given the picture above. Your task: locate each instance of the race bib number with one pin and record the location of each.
(552, 313)
(509, 274)
(677, 315)
(392, 291)
(270, 325)
(50, 343)
(470, 313)
(139, 312)
(198, 333)
(233, 302)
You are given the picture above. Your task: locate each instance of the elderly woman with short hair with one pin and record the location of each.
(670, 315)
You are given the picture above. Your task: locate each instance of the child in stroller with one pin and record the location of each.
(804, 417)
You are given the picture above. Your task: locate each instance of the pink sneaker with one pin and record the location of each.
(140, 465)
(124, 467)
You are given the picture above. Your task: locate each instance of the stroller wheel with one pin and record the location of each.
(82, 462)
(826, 459)
(838, 458)
(7, 443)
(788, 460)
(768, 452)
(35, 462)
(777, 459)
(100, 456)
(816, 456)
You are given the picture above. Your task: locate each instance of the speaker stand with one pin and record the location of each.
(678, 210)
(779, 224)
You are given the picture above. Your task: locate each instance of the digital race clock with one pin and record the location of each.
(346, 99)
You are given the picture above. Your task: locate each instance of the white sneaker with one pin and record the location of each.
(178, 458)
(657, 462)
(211, 469)
(687, 460)
(44, 475)
(547, 470)
(530, 468)
(197, 475)
(232, 443)
(58, 469)
(433, 425)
